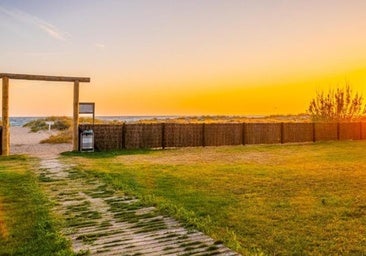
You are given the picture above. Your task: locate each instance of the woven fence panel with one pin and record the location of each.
(262, 133)
(143, 136)
(326, 131)
(297, 132)
(106, 137)
(223, 134)
(349, 131)
(183, 135)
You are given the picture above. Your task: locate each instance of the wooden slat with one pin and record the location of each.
(45, 78)
(5, 115)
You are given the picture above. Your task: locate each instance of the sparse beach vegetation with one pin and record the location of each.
(62, 124)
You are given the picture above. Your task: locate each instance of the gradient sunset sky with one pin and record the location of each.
(187, 57)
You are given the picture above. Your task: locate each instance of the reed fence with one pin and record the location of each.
(167, 135)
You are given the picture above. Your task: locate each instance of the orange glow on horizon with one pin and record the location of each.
(224, 58)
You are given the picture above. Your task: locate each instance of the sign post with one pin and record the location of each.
(87, 108)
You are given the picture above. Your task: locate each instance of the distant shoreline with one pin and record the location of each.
(20, 121)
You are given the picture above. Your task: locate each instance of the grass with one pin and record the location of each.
(26, 226)
(307, 199)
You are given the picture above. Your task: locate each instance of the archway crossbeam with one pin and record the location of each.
(45, 78)
(5, 103)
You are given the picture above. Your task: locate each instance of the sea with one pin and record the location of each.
(20, 121)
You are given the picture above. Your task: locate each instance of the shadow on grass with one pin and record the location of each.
(109, 154)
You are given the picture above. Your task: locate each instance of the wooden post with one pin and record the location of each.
(5, 113)
(75, 137)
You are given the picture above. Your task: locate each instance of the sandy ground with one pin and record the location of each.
(22, 141)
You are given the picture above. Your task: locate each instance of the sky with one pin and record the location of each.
(175, 57)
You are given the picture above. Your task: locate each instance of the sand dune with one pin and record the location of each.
(22, 141)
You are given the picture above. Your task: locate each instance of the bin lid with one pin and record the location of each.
(86, 132)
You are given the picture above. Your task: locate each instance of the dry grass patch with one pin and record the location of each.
(199, 155)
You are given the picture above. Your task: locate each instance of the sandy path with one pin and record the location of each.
(22, 141)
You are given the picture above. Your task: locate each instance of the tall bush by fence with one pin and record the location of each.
(133, 136)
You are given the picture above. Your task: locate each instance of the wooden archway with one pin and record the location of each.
(5, 104)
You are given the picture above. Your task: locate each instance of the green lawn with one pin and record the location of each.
(26, 226)
(307, 199)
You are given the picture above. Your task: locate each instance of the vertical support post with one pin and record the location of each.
(75, 137)
(5, 113)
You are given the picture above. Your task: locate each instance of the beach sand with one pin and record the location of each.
(22, 141)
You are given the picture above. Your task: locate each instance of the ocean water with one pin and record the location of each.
(20, 121)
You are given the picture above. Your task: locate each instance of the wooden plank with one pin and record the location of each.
(5, 114)
(45, 78)
(75, 137)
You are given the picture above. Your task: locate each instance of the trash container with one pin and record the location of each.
(87, 141)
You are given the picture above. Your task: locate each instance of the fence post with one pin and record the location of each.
(338, 131)
(163, 142)
(314, 136)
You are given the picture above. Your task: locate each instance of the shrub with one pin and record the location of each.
(337, 105)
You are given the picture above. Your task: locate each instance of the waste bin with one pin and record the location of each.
(87, 141)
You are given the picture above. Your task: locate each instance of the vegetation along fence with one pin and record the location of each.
(133, 136)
